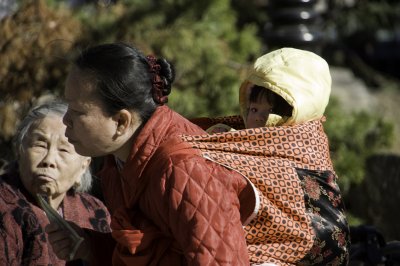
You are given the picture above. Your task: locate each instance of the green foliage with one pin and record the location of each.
(353, 138)
(367, 16)
(199, 37)
(33, 44)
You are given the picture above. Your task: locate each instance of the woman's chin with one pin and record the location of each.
(81, 150)
(45, 190)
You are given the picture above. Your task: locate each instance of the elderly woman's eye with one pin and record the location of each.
(39, 144)
(64, 150)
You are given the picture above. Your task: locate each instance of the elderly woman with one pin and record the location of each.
(47, 164)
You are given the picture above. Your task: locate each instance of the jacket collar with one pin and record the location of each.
(162, 125)
(147, 141)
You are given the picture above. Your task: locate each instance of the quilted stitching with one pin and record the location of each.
(197, 197)
(162, 186)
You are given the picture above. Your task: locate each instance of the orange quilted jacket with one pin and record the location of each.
(171, 206)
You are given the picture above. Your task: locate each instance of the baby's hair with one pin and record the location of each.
(258, 93)
(279, 105)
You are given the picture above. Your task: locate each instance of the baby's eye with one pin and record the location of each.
(253, 110)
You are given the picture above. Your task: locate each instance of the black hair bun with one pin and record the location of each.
(167, 73)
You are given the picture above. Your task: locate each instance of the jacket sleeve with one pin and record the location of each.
(10, 240)
(203, 212)
(22, 237)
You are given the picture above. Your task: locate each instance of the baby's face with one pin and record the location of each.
(258, 113)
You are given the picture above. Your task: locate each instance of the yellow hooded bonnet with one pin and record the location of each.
(300, 77)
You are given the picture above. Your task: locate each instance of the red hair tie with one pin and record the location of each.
(157, 82)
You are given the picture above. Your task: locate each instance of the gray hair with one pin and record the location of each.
(58, 108)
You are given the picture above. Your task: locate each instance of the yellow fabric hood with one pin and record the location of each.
(300, 77)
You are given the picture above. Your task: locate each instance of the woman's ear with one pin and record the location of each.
(123, 119)
(86, 162)
(85, 165)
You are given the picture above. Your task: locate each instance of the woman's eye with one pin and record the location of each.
(39, 144)
(64, 150)
(77, 112)
(73, 112)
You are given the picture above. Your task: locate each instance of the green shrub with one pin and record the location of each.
(34, 42)
(353, 138)
(199, 37)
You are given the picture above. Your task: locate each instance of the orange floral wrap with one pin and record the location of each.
(280, 230)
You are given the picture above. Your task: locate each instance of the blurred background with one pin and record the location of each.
(212, 43)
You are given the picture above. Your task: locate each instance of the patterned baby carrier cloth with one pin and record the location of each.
(298, 217)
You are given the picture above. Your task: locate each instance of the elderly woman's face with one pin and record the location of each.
(48, 163)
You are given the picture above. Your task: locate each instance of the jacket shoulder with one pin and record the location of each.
(8, 194)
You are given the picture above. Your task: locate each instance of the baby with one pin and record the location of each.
(281, 147)
(261, 104)
(263, 108)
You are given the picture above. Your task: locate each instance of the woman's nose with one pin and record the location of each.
(49, 159)
(67, 120)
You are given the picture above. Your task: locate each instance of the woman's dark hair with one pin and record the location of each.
(124, 77)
